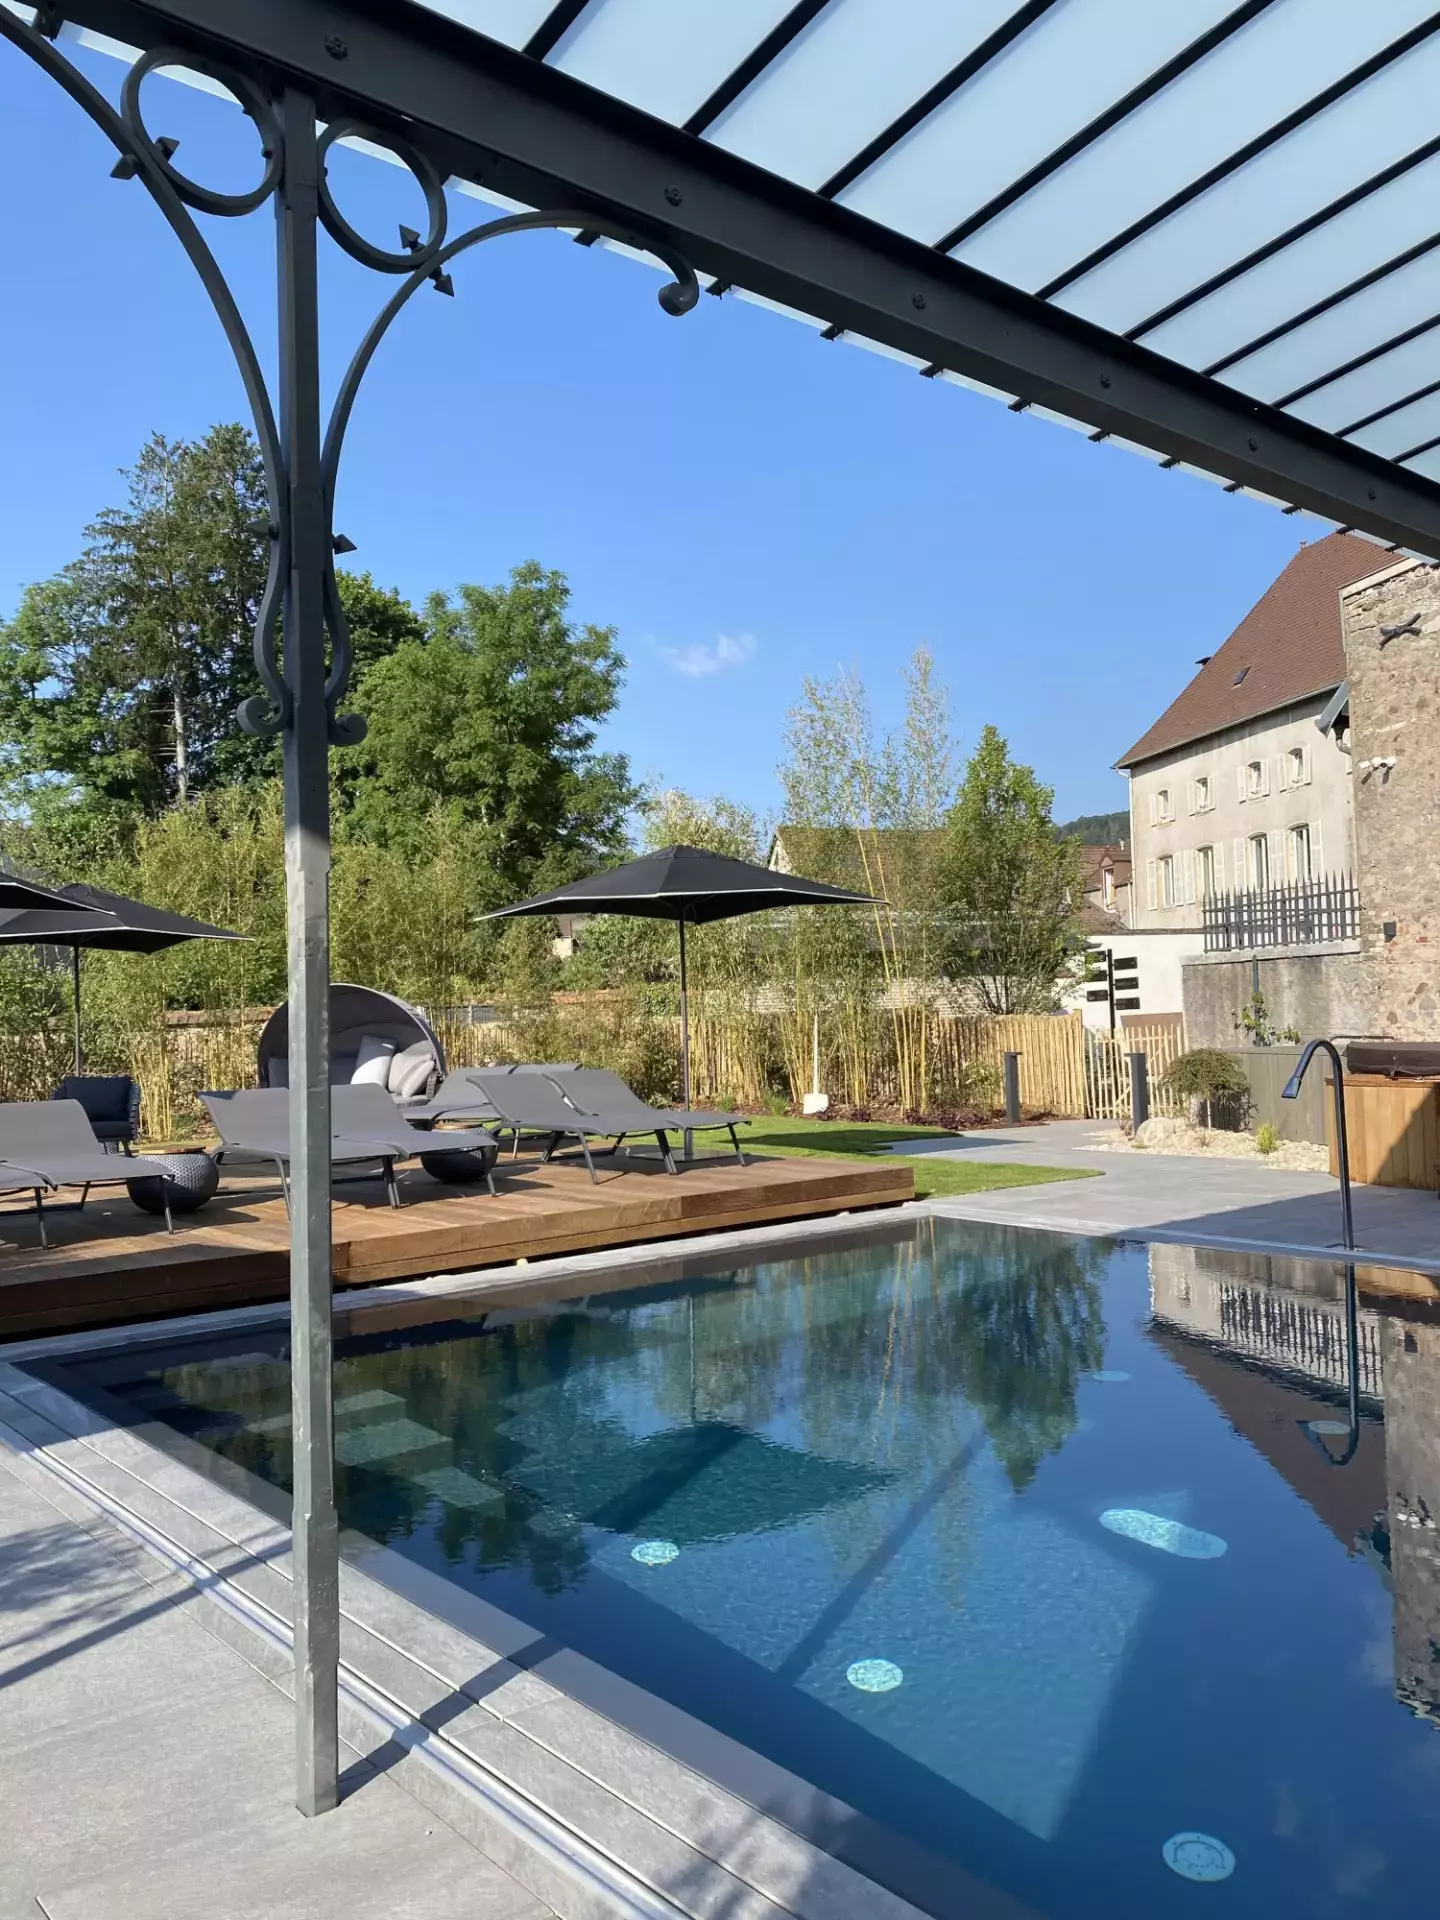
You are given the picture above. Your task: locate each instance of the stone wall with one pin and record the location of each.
(1395, 716)
(1325, 990)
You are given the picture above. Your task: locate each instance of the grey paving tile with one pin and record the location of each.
(117, 1788)
(377, 1857)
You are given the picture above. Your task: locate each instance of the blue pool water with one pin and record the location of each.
(1014, 1543)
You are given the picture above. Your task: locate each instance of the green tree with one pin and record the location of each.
(493, 716)
(120, 677)
(1009, 890)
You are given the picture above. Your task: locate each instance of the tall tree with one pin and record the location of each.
(120, 677)
(494, 716)
(1010, 890)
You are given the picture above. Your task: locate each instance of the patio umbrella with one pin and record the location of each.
(691, 887)
(82, 916)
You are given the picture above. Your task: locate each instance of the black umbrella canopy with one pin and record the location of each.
(19, 895)
(691, 886)
(79, 916)
(85, 916)
(687, 884)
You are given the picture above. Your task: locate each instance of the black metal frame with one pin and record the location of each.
(1293, 913)
(303, 691)
(486, 112)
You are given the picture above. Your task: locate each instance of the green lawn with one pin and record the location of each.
(782, 1133)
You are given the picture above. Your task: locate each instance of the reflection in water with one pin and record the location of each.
(742, 1492)
(1290, 1318)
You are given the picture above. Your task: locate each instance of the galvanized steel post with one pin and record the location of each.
(307, 888)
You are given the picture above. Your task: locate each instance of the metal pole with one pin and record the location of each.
(1011, 1065)
(307, 885)
(1139, 1091)
(75, 994)
(685, 1039)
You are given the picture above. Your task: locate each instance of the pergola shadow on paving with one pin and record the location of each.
(1203, 230)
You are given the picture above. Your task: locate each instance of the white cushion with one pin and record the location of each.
(372, 1062)
(410, 1070)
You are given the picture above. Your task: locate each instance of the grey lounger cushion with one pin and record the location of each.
(599, 1091)
(51, 1140)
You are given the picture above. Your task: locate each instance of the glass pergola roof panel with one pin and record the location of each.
(1322, 160)
(1071, 65)
(1359, 240)
(1277, 63)
(1410, 426)
(1378, 383)
(867, 61)
(1428, 464)
(512, 21)
(1342, 333)
(664, 58)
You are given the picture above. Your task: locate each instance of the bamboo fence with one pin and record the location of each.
(746, 1057)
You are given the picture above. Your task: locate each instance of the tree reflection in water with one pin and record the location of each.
(697, 1411)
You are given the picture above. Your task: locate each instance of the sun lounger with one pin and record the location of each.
(365, 1127)
(45, 1144)
(533, 1103)
(597, 1091)
(459, 1097)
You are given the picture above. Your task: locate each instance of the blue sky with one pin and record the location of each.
(746, 503)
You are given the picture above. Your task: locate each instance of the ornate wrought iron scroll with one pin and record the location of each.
(421, 259)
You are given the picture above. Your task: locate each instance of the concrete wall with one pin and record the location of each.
(1321, 802)
(1321, 990)
(1395, 715)
(1160, 957)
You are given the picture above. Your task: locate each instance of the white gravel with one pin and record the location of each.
(1180, 1138)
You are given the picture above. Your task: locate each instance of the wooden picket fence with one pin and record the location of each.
(745, 1055)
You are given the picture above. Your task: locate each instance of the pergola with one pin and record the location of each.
(1202, 229)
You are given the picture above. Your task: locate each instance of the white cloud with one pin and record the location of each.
(697, 661)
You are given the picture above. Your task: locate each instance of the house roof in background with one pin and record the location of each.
(1287, 647)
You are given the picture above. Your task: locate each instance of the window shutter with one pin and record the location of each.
(1187, 877)
(1218, 855)
(1238, 864)
(1242, 782)
(1152, 884)
(1305, 765)
(1282, 771)
(1154, 810)
(1317, 852)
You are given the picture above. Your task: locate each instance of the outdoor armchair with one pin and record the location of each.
(598, 1091)
(111, 1102)
(45, 1144)
(533, 1103)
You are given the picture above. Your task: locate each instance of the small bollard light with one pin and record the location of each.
(1011, 1066)
(1139, 1091)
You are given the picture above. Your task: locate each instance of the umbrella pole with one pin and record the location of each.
(685, 1039)
(75, 996)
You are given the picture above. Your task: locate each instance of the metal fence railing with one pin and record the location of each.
(1300, 913)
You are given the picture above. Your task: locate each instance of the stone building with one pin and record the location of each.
(1241, 789)
(1382, 980)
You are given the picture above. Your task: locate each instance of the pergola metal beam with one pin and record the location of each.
(488, 113)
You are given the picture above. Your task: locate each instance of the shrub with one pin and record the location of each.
(1210, 1079)
(1267, 1138)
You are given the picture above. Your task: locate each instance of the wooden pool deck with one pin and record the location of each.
(112, 1263)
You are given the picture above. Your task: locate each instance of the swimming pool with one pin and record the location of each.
(1015, 1543)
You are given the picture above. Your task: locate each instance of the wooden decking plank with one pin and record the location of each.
(238, 1252)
